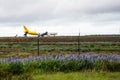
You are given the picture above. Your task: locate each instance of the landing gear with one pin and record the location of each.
(25, 34)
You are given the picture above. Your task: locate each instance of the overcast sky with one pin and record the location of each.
(66, 17)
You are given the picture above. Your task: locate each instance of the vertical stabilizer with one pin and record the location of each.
(26, 29)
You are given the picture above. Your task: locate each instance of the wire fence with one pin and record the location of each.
(24, 47)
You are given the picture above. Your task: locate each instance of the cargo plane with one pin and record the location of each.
(27, 31)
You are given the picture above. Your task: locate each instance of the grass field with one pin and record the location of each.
(99, 58)
(67, 76)
(78, 76)
(25, 49)
(27, 46)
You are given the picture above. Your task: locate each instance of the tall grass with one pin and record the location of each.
(59, 63)
(69, 62)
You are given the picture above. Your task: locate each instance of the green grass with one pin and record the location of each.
(78, 76)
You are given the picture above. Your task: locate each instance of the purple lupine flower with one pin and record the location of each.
(92, 57)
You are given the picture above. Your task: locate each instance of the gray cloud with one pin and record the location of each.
(56, 12)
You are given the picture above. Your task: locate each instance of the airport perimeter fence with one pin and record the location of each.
(23, 47)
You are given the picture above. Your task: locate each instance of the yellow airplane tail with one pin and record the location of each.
(26, 29)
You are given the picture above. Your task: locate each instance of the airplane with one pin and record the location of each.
(27, 31)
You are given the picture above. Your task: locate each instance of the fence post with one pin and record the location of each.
(79, 43)
(38, 45)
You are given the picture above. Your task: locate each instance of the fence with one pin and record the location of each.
(24, 47)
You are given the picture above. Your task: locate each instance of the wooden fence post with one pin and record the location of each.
(38, 45)
(79, 43)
